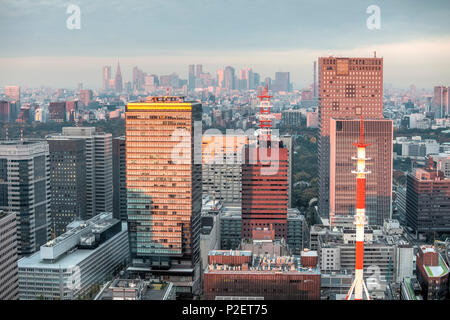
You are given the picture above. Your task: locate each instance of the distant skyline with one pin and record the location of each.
(165, 36)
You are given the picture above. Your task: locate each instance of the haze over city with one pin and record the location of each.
(269, 36)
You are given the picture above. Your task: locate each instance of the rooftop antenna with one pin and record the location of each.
(6, 132)
(265, 122)
(21, 135)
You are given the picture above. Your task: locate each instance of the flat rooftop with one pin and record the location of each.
(67, 260)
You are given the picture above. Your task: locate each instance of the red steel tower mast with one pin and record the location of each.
(360, 217)
(265, 119)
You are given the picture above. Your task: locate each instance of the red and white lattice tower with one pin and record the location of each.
(358, 284)
(265, 118)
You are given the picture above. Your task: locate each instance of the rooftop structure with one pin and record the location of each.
(86, 254)
(260, 275)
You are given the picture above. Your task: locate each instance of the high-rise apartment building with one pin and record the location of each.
(348, 88)
(164, 191)
(9, 273)
(99, 173)
(119, 179)
(67, 181)
(25, 190)
(378, 134)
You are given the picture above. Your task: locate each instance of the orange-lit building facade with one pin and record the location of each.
(379, 135)
(163, 181)
(265, 190)
(348, 88)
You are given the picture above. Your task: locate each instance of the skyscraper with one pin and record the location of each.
(99, 175)
(25, 190)
(118, 85)
(379, 135)
(119, 179)
(282, 82)
(164, 188)
(106, 77)
(315, 80)
(220, 78)
(265, 194)
(191, 79)
(441, 102)
(67, 181)
(138, 79)
(348, 88)
(229, 78)
(198, 70)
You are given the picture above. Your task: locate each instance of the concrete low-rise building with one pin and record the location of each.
(68, 266)
(388, 256)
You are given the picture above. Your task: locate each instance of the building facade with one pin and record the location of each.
(265, 189)
(25, 190)
(99, 172)
(68, 266)
(342, 194)
(164, 191)
(222, 160)
(67, 181)
(119, 179)
(9, 272)
(348, 88)
(245, 274)
(428, 200)
(432, 273)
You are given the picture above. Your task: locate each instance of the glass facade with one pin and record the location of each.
(163, 182)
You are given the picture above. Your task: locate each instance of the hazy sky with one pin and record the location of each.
(164, 36)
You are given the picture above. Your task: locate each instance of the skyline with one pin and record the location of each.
(42, 51)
